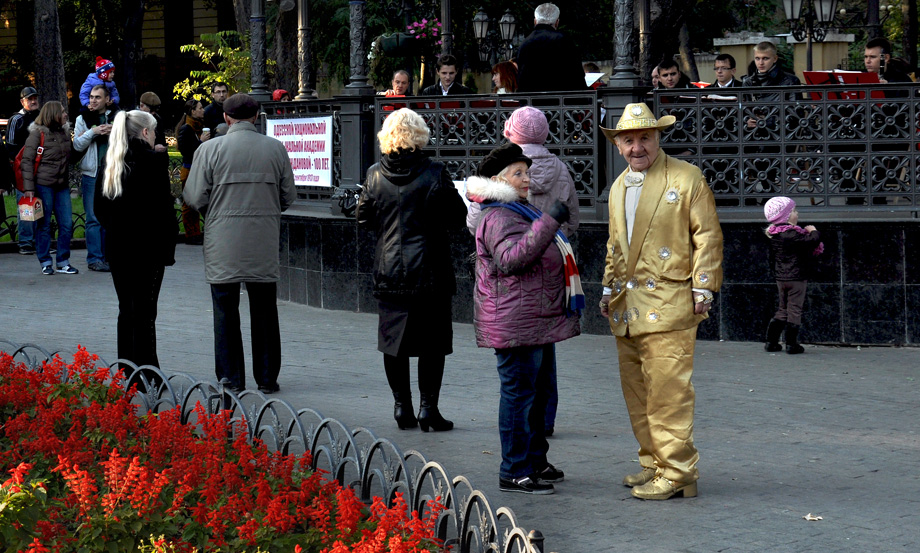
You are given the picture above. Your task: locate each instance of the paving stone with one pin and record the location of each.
(832, 432)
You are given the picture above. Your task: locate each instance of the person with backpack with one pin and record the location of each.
(45, 168)
(17, 131)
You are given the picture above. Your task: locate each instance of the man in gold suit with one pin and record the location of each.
(664, 261)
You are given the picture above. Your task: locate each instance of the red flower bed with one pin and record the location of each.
(88, 474)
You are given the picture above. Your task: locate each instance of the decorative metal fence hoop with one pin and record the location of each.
(356, 458)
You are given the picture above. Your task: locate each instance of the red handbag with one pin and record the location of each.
(17, 162)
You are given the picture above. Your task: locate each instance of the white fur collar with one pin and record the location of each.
(480, 189)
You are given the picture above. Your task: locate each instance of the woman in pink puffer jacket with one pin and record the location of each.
(520, 310)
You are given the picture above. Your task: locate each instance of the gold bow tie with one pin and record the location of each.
(634, 178)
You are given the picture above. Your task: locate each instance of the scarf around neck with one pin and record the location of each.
(773, 230)
(574, 295)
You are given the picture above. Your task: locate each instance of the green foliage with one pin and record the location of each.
(22, 505)
(226, 55)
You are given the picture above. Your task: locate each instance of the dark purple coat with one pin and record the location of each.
(519, 298)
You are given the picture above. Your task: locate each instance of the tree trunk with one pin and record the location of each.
(909, 42)
(284, 52)
(688, 61)
(242, 9)
(49, 58)
(134, 21)
(666, 30)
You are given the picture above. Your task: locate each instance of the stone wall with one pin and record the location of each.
(866, 289)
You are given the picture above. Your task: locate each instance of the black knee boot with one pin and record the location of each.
(774, 331)
(430, 374)
(792, 340)
(397, 369)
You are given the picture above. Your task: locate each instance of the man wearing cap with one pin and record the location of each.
(664, 262)
(242, 183)
(17, 131)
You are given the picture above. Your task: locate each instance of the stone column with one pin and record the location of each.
(624, 73)
(358, 36)
(304, 60)
(257, 52)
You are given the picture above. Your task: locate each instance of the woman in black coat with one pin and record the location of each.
(411, 203)
(136, 208)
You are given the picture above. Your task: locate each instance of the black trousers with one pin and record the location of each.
(138, 292)
(228, 338)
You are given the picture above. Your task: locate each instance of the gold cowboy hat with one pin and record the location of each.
(637, 117)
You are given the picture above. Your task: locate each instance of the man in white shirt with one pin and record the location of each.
(664, 262)
(447, 75)
(724, 66)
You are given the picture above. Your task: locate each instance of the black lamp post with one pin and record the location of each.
(812, 24)
(492, 42)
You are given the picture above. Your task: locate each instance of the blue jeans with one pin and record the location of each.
(95, 234)
(552, 402)
(524, 373)
(25, 229)
(57, 201)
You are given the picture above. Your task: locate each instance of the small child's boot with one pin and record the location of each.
(792, 340)
(774, 331)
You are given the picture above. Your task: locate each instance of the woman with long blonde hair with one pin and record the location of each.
(137, 210)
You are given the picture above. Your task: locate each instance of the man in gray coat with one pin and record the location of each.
(241, 183)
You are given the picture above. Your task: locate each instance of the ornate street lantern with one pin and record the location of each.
(507, 24)
(481, 24)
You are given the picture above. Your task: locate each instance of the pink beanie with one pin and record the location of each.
(778, 209)
(527, 125)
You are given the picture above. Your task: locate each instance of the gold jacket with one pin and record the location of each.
(676, 246)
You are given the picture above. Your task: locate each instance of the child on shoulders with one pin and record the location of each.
(105, 75)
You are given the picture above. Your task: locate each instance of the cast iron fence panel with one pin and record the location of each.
(314, 108)
(466, 128)
(850, 147)
(356, 458)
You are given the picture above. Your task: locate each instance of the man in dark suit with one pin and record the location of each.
(724, 66)
(547, 60)
(447, 74)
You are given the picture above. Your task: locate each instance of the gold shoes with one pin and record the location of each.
(662, 488)
(639, 478)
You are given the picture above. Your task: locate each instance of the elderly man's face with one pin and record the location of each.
(30, 103)
(447, 73)
(669, 77)
(400, 83)
(764, 61)
(639, 148)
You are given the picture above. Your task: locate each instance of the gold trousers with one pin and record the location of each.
(655, 371)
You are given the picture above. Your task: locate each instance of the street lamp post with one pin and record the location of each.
(492, 42)
(812, 24)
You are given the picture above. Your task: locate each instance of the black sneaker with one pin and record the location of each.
(68, 270)
(26, 250)
(47, 270)
(525, 485)
(267, 390)
(100, 266)
(549, 475)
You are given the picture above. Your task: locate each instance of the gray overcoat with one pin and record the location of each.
(242, 182)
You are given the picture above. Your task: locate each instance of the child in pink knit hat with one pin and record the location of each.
(792, 250)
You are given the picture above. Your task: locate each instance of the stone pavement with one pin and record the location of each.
(833, 432)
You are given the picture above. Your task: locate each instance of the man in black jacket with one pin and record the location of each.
(17, 131)
(447, 75)
(547, 60)
(878, 60)
(766, 72)
(724, 66)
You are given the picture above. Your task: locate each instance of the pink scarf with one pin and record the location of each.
(779, 229)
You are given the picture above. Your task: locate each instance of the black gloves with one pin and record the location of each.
(559, 212)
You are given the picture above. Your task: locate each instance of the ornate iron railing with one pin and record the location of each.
(465, 128)
(357, 458)
(830, 147)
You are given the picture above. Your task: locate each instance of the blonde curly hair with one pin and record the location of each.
(402, 130)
